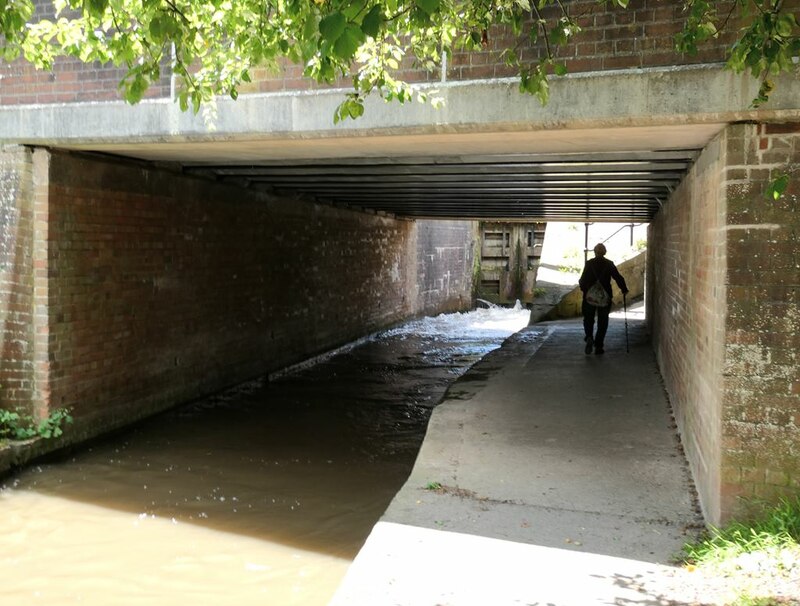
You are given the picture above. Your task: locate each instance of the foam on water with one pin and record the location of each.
(477, 324)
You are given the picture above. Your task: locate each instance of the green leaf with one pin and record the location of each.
(157, 29)
(95, 7)
(787, 24)
(371, 24)
(560, 69)
(347, 44)
(332, 26)
(356, 109)
(777, 187)
(428, 6)
(353, 8)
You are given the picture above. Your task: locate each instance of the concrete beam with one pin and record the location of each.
(632, 101)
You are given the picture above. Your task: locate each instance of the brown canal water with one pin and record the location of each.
(260, 495)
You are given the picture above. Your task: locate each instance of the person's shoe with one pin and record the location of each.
(598, 351)
(589, 345)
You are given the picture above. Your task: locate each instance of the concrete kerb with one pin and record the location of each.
(546, 476)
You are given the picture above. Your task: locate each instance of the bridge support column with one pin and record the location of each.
(23, 273)
(725, 311)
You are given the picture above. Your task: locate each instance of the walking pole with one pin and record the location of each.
(625, 315)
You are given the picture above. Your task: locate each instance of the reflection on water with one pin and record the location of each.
(261, 495)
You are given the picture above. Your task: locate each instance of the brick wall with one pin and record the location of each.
(445, 257)
(612, 38)
(643, 35)
(16, 279)
(686, 311)
(161, 288)
(761, 415)
(70, 80)
(725, 317)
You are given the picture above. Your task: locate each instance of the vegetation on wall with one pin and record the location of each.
(211, 46)
(15, 426)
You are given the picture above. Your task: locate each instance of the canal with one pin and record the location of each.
(259, 495)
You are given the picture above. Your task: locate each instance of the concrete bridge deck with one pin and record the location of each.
(546, 477)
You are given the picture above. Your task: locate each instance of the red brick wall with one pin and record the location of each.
(161, 288)
(444, 262)
(761, 416)
(70, 81)
(725, 288)
(686, 311)
(643, 35)
(612, 38)
(16, 279)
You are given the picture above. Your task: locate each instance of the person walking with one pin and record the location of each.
(595, 283)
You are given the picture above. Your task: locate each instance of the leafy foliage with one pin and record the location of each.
(212, 45)
(767, 43)
(22, 427)
(777, 187)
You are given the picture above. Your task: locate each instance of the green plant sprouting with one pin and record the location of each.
(14, 426)
(780, 527)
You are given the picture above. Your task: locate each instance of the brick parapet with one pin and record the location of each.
(69, 81)
(611, 38)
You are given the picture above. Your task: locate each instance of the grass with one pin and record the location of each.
(760, 559)
(778, 529)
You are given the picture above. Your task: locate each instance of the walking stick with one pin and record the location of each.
(625, 315)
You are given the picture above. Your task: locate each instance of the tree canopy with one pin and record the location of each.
(212, 46)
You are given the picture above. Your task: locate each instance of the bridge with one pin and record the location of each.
(150, 256)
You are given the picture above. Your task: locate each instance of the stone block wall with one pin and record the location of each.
(156, 288)
(724, 315)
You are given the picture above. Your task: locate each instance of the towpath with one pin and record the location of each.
(546, 477)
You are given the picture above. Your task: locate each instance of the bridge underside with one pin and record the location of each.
(622, 175)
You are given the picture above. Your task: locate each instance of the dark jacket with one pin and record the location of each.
(603, 270)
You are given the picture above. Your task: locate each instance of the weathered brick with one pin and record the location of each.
(641, 35)
(731, 370)
(780, 128)
(156, 288)
(16, 277)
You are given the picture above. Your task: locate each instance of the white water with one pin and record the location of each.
(478, 324)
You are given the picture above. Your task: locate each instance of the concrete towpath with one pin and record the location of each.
(546, 477)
